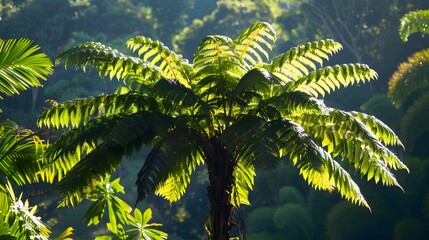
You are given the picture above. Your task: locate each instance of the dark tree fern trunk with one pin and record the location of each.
(220, 168)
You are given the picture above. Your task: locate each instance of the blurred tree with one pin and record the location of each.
(235, 113)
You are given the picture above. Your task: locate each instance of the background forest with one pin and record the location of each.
(283, 206)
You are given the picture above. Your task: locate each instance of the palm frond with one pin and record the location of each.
(253, 42)
(128, 134)
(299, 61)
(325, 80)
(108, 62)
(410, 77)
(169, 63)
(315, 164)
(21, 67)
(20, 153)
(168, 167)
(79, 111)
(412, 22)
(216, 55)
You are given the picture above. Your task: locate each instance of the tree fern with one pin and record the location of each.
(412, 22)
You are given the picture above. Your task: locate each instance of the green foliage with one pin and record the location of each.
(228, 110)
(290, 194)
(294, 220)
(410, 78)
(412, 22)
(261, 220)
(140, 228)
(20, 66)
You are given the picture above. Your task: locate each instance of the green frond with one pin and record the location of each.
(315, 164)
(129, 134)
(79, 111)
(253, 42)
(176, 98)
(168, 167)
(21, 67)
(410, 77)
(299, 61)
(216, 55)
(170, 64)
(249, 144)
(412, 22)
(325, 80)
(290, 104)
(380, 130)
(260, 82)
(244, 179)
(108, 62)
(20, 153)
(414, 123)
(344, 135)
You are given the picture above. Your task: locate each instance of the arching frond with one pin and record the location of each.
(168, 167)
(344, 135)
(378, 128)
(128, 134)
(21, 67)
(244, 178)
(170, 64)
(412, 22)
(178, 99)
(216, 55)
(79, 111)
(325, 80)
(315, 164)
(254, 41)
(20, 153)
(108, 62)
(260, 82)
(289, 105)
(410, 77)
(299, 61)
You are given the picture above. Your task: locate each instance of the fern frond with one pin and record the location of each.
(216, 55)
(344, 135)
(168, 167)
(412, 22)
(254, 41)
(170, 64)
(315, 164)
(378, 128)
(325, 80)
(299, 61)
(178, 99)
(244, 179)
(79, 111)
(410, 77)
(21, 67)
(108, 62)
(129, 134)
